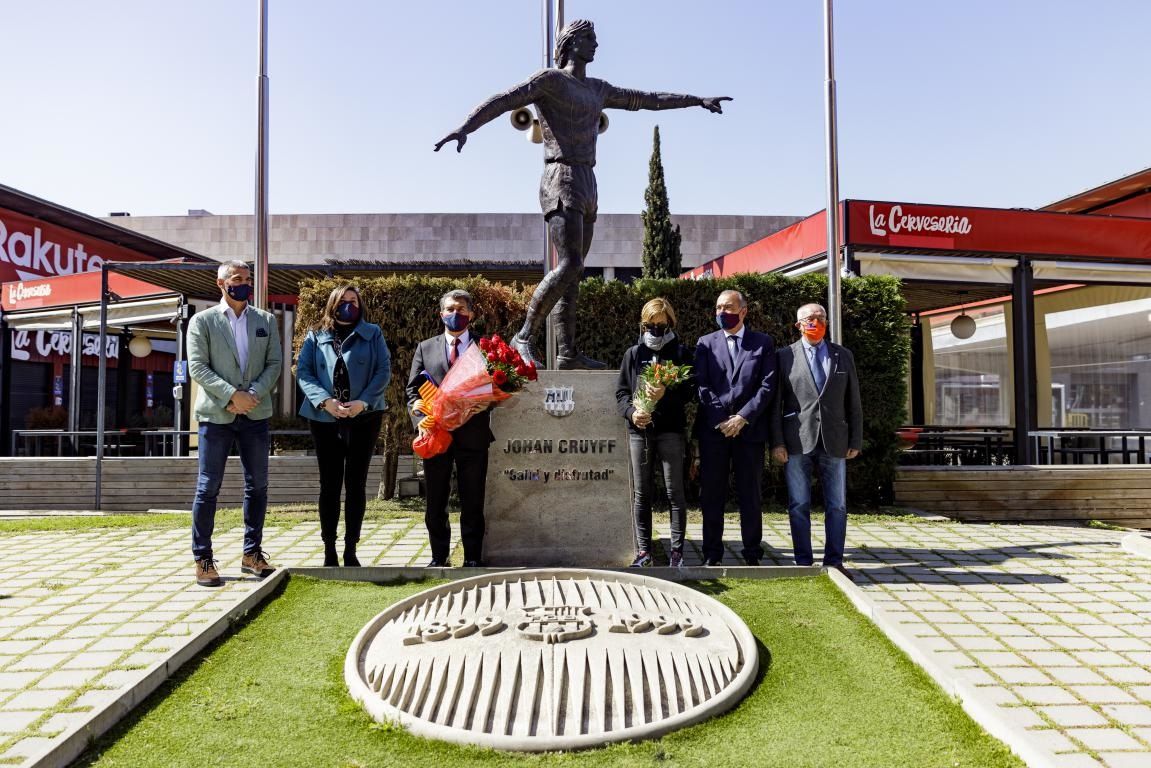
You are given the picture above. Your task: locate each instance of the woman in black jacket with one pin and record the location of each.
(657, 438)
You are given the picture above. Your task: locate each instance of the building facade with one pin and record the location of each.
(481, 238)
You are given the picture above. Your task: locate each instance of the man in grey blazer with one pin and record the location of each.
(816, 425)
(234, 355)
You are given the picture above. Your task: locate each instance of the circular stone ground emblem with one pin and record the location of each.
(551, 659)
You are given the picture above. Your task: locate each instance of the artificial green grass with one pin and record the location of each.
(832, 691)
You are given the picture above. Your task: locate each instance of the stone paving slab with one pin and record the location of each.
(1046, 630)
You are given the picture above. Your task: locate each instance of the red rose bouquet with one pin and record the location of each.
(509, 371)
(487, 372)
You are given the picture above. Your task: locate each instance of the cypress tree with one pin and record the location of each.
(661, 253)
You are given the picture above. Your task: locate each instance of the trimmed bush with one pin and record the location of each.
(874, 328)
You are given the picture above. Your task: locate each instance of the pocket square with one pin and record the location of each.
(261, 332)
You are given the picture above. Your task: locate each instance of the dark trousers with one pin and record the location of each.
(216, 441)
(344, 453)
(471, 466)
(718, 460)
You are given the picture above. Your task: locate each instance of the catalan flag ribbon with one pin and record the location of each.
(428, 394)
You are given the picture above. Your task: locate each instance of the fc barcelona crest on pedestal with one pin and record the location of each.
(559, 401)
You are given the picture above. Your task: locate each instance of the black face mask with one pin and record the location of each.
(239, 292)
(727, 320)
(456, 321)
(347, 312)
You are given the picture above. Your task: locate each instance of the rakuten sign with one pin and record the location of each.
(37, 254)
(32, 249)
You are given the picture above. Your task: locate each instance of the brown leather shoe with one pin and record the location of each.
(206, 573)
(256, 563)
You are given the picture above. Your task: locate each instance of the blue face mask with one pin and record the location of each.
(456, 321)
(347, 312)
(726, 320)
(240, 292)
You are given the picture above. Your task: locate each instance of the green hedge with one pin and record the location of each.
(874, 328)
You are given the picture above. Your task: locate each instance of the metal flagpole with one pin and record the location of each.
(260, 273)
(834, 308)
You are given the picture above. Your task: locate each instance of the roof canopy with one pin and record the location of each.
(941, 250)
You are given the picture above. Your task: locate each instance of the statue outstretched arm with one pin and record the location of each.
(626, 98)
(519, 96)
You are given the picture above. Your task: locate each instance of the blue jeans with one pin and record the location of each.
(216, 442)
(833, 481)
(649, 451)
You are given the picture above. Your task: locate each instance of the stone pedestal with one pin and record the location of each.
(558, 489)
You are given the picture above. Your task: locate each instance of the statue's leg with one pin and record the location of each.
(568, 356)
(566, 229)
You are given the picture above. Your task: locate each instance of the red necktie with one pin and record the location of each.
(454, 354)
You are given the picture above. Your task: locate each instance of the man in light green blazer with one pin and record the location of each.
(234, 355)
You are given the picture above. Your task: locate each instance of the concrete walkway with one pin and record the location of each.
(1044, 632)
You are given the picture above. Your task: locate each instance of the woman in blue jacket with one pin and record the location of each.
(343, 370)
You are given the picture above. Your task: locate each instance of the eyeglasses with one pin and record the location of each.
(655, 327)
(812, 319)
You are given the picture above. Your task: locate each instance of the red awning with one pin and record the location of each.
(70, 290)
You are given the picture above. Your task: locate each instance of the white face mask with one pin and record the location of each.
(656, 343)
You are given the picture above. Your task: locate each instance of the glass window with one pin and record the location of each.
(971, 377)
(1097, 347)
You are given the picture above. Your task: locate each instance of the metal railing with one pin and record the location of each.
(944, 445)
(1090, 446)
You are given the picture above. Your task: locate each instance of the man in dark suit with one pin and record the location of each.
(817, 424)
(735, 373)
(468, 452)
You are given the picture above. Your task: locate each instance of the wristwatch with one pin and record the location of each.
(323, 403)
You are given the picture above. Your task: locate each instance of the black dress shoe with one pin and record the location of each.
(350, 559)
(751, 561)
(712, 560)
(473, 564)
(331, 560)
(434, 563)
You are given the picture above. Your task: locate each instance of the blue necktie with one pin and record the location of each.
(817, 368)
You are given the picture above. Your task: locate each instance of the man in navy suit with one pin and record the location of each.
(817, 425)
(735, 373)
(468, 453)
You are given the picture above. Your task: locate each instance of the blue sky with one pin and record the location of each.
(150, 107)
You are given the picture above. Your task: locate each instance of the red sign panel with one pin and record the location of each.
(996, 230)
(69, 290)
(32, 249)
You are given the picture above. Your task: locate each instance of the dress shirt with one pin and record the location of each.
(465, 339)
(239, 331)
